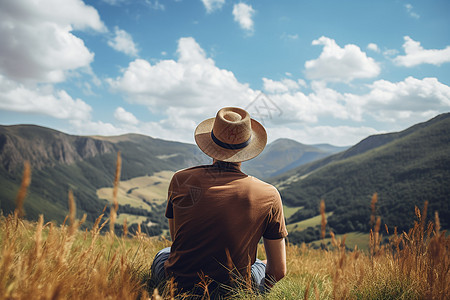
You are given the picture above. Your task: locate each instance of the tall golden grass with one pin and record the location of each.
(41, 260)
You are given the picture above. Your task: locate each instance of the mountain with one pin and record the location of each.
(86, 165)
(405, 169)
(82, 164)
(283, 155)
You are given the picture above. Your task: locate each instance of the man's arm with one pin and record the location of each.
(276, 260)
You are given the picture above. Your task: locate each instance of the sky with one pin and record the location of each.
(320, 71)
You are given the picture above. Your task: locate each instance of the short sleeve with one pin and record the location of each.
(276, 227)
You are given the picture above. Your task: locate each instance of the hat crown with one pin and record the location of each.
(232, 125)
(232, 136)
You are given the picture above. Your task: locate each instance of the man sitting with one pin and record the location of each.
(217, 214)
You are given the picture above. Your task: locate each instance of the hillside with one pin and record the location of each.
(405, 169)
(83, 164)
(283, 155)
(86, 165)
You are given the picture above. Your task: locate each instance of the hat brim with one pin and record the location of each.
(209, 147)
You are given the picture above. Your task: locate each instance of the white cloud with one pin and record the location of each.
(409, 9)
(212, 5)
(283, 86)
(89, 127)
(125, 117)
(416, 55)
(155, 5)
(114, 2)
(186, 91)
(123, 42)
(243, 14)
(152, 4)
(340, 64)
(301, 108)
(191, 88)
(406, 101)
(37, 43)
(401, 103)
(373, 47)
(390, 52)
(42, 100)
(334, 135)
(286, 36)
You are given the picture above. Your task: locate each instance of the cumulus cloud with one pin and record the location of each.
(123, 42)
(373, 47)
(416, 54)
(125, 117)
(283, 86)
(401, 103)
(411, 13)
(212, 5)
(243, 14)
(407, 100)
(390, 52)
(340, 64)
(186, 91)
(89, 127)
(307, 108)
(37, 42)
(43, 100)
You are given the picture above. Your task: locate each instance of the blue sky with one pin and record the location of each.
(314, 71)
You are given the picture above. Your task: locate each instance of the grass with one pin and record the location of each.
(40, 260)
(290, 210)
(152, 188)
(311, 222)
(130, 219)
(352, 239)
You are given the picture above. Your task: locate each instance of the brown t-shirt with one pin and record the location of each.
(220, 215)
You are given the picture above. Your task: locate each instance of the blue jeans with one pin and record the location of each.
(158, 272)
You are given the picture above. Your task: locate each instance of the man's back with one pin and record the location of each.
(219, 214)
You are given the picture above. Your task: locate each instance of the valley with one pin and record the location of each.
(140, 192)
(404, 169)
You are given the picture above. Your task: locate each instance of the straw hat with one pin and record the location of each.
(231, 136)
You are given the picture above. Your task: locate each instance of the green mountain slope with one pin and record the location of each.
(405, 169)
(82, 164)
(283, 155)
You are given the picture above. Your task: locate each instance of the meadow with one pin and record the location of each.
(42, 260)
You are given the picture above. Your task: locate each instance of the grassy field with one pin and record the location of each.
(311, 222)
(289, 210)
(40, 260)
(44, 261)
(131, 219)
(134, 191)
(352, 239)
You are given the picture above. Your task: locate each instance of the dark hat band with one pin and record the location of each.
(230, 146)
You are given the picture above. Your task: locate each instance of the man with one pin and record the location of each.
(217, 214)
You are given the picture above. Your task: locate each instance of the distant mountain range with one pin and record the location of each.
(85, 164)
(404, 168)
(283, 155)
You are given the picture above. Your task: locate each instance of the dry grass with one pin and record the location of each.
(45, 261)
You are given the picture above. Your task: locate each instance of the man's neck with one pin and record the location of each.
(228, 165)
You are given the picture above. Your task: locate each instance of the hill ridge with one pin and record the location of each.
(406, 169)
